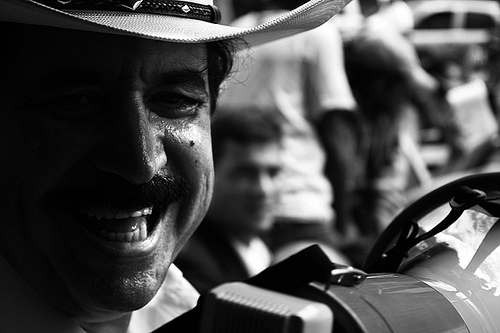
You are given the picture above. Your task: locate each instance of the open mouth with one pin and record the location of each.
(117, 211)
(120, 225)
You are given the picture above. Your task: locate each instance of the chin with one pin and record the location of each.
(124, 294)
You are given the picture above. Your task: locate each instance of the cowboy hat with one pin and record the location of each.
(191, 21)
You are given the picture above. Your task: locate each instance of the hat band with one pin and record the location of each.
(185, 9)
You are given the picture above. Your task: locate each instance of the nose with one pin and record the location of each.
(132, 146)
(264, 186)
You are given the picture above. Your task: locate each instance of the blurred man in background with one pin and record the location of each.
(228, 245)
(303, 80)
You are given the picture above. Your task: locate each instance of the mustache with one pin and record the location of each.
(161, 191)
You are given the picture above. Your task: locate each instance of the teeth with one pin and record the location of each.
(136, 214)
(139, 234)
(117, 215)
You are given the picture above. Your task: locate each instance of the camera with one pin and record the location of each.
(436, 268)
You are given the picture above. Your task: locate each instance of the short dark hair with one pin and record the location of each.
(246, 125)
(221, 55)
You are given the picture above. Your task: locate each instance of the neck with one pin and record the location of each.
(245, 238)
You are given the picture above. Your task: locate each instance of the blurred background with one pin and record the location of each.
(441, 126)
(456, 41)
(425, 77)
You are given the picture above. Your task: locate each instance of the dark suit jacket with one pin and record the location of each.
(208, 259)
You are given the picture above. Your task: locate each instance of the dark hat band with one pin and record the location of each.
(185, 9)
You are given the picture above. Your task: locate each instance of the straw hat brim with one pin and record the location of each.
(170, 28)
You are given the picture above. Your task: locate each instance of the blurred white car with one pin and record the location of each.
(443, 29)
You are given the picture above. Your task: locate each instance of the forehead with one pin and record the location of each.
(259, 153)
(44, 49)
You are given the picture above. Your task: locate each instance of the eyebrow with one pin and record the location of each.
(189, 77)
(185, 75)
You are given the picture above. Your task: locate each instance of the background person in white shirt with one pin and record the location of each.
(302, 79)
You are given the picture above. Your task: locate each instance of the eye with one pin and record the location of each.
(274, 171)
(173, 105)
(73, 106)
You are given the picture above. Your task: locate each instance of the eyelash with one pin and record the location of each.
(172, 105)
(79, 106)
(72, 106)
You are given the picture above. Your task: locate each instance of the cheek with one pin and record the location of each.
(38, 154)
(230, 188)
(203, 174)
(189, 154)
(189, 151)
(202, 150)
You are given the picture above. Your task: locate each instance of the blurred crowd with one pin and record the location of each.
(357, 110)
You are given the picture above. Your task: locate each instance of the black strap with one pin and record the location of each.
(465, 198)
(186, 9)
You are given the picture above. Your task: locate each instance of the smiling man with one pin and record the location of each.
(109, 168)
(105, 112)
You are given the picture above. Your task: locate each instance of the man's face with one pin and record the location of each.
(246, 187)
(87, 121)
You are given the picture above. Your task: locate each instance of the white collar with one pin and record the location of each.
(255, 255)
